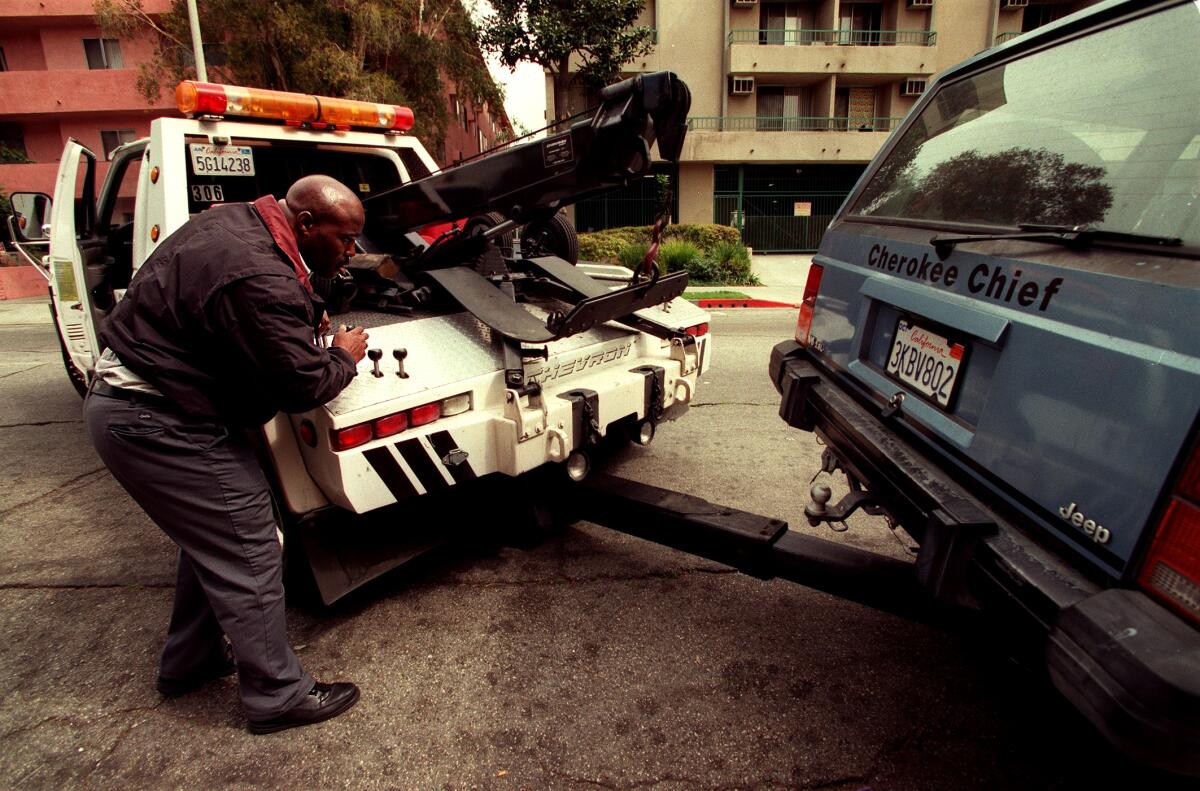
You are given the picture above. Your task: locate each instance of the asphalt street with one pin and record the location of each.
(593, 660)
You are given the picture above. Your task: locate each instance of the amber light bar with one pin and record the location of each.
(207, 98)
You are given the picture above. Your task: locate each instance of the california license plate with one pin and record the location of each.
(925, 361)
(214, 160)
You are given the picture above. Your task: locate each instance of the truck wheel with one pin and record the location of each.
(77, 377)
(555, 236)
(504, 242)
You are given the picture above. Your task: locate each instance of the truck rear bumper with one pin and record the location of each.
(1131, 667)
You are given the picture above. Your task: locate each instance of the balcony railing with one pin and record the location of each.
(1000, 39)
(790, 123)
(856, 38)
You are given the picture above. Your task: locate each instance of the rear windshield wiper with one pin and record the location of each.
(1076, 236)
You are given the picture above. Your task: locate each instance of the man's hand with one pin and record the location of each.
(323, 327)
(353, 341)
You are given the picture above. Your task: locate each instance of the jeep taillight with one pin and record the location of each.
(811, 288)
(1171, 570)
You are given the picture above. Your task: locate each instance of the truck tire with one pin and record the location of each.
(77, 377)
(555, 236)
(503, 242)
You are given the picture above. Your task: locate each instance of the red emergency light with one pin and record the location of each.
(207, 98)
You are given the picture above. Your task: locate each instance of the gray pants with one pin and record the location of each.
(202, 484)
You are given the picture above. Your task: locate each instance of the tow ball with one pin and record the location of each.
(819, 510)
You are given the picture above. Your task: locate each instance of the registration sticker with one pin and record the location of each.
(925, 361)
(213, 160)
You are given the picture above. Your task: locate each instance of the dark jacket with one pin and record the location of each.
(219, 322)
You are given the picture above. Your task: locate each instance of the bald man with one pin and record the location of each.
(214, 336)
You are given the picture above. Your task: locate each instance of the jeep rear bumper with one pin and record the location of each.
(1130, 666)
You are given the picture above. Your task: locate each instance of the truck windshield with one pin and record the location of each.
(248, 169)
(1100, 131)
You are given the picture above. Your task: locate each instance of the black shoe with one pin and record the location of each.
(323, 702)
(219, 667)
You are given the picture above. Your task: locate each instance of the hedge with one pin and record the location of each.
(711, 254)
(607, 245)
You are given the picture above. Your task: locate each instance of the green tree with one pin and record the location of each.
(600, 33)
(391, 51)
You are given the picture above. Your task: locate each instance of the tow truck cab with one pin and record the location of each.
(440, 409)
(999, 344)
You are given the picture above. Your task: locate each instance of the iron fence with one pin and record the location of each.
(768, 123)
(855, 38)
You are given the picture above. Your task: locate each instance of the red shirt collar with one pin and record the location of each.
(281, 231)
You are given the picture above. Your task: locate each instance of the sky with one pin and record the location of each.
(524, 88)
(524, 93)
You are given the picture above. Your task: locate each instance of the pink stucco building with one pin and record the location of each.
(59, 78)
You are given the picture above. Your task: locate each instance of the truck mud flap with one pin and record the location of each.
(498, 310)
(760, 546)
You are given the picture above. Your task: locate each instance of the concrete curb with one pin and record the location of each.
(709, 304)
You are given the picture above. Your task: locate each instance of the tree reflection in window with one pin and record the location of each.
(1018, 185)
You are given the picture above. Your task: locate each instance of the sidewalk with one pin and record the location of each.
(27, 310)
(782, 275)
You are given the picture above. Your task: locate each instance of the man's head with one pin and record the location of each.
(326, 218)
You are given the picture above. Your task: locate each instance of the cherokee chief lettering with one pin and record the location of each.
(989, 280)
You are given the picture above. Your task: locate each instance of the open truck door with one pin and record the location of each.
(91, 250)
(72, 217)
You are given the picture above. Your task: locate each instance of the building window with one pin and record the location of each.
(3, 62)
(1037, 15)
(784, 109)
(103, 53)
(860, 23)
(112, 139)
(786, 23)
(12, 144)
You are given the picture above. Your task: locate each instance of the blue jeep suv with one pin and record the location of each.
(999, 344)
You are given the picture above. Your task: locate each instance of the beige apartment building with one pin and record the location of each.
(791, 99)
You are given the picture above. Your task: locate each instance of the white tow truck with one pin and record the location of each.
(554, 357)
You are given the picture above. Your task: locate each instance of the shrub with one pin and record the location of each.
(631, 255)
(676, 255)
(712, 254)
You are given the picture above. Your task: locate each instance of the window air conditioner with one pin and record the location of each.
(1008, 5)
(912, 87)
(920, 3)
(737, 3)
(741, 86)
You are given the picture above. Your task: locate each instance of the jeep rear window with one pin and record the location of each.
(1101, 130)
(276, 166)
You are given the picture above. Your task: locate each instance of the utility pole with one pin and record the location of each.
(197, 43)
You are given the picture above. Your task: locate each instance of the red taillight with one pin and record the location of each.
(1171, 570)
(811, 288)
(697, 330)
(392, 424)
(308, 433)
(351, 437)
(419, 416)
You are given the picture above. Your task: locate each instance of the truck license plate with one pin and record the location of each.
(213, 160)
(925, 361)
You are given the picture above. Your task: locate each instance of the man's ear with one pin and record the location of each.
(305, 221)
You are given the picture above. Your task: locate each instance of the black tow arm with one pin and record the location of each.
(532, 181)
(760, 546)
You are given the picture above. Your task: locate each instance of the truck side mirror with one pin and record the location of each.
(30, 216)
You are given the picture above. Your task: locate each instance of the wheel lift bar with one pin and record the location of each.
(757, 545)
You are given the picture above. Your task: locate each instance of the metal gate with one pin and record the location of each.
(781, 208)
(637, 203)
